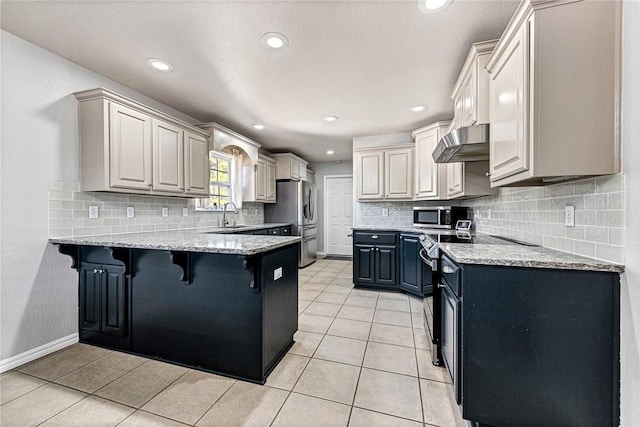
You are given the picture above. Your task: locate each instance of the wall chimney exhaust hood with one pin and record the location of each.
(468, 144)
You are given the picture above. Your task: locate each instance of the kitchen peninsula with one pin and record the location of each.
(204, 298)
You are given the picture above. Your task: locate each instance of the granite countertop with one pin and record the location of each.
(205, 239)
(491, 250)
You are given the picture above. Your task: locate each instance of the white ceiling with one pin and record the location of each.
(364, 61)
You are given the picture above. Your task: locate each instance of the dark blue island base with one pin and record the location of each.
(232, 315)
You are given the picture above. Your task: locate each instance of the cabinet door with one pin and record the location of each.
(398, 174)
(449, 338)
(508, 142)
(427, 172)
(469, 100)
(370, 175)
(363, 264)
(130, 148)
(168, 162)
(410, 264)
(271, 182)
(455, 178)
(114, 307)
(385, 265)
(261, 180)
(196, 152)
(89, 297)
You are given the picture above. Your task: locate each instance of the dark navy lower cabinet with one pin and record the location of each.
(532, 346)
(415, 275)
(229, 314)
(375, 260)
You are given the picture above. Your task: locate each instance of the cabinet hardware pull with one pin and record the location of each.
(95, 271)
(374, 237)
(440, 286)
(447, 269)
(488, 174)
(350, 235)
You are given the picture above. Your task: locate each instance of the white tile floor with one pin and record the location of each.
(360, 359)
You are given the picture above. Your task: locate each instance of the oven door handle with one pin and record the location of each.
(423, 255)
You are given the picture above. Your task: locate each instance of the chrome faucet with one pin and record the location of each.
(224, 212)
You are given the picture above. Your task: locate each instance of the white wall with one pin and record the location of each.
(323, 169)
(39, 144)
(630, 292)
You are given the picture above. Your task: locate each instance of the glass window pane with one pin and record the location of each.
(213, 162)
(223, 201)
(223, 177)
(223, 165)
(224, 191)
(213, 190)
(213, 176)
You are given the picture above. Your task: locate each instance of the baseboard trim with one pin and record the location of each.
(38, 352)
(320, 253)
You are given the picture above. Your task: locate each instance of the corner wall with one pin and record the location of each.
(38, 289)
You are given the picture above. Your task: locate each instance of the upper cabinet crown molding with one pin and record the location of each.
(477, 49)
(555, 93)
(106, 94)
(128, 147)
(223, 137)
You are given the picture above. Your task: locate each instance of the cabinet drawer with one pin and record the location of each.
(373, 238)
(451, 274)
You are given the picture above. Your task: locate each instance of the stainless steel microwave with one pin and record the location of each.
(439, 216)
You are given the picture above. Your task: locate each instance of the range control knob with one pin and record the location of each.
(422, 237)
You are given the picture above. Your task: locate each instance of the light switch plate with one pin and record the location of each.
(93, 212)
(185, 211)
(165, 212)
(131, 212)
(385, 211)
(569, 216)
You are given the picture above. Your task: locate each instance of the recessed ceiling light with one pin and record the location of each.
(330, 152)
(330, 118)
(159, 64)
(257, 126)
(275, 40)
(418, 108)
(433, 6)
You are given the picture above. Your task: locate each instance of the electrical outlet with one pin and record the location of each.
(165, 212)
(185, 211)
(488, 213)
(131, 212)
(93, 212)
(569, 216)
(385, 211)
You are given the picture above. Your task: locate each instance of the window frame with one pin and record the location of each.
(205, 204)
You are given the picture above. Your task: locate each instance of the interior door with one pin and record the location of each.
(339, 215)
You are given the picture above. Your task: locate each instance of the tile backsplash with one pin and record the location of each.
(535, 215)
(69, 213)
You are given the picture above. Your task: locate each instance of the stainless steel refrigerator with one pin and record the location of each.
(296, 203)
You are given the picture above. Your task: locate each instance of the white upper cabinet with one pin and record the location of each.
(290, 166)
(430, 178)
(130, 148)
(470, 94)
(554, 93)
(384, 173)
(259, 181)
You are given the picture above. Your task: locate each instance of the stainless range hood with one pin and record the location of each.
(468, 144)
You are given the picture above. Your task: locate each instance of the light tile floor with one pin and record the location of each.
(361, 358)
